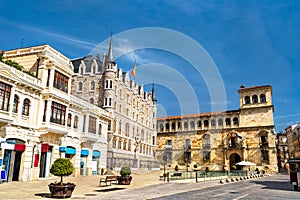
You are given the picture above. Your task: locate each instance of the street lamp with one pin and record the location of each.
(165, 157)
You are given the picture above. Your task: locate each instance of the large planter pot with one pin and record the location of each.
(124, 180)
(61, 190)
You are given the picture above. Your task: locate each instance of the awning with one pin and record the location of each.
(68, 150)
(96, 153)
(84, 152)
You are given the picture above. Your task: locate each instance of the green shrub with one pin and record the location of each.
(125, 171)
(62, 167)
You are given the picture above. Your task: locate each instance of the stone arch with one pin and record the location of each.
(234, 158)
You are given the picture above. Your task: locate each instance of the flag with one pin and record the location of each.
(239, 136)
(133, 70)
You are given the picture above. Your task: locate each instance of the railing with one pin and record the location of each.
(204, 175)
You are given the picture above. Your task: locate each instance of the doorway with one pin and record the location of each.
(235, 158)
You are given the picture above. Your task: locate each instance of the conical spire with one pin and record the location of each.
(153, 93)
(110, 56)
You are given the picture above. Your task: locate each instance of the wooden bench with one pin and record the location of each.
(108, 179)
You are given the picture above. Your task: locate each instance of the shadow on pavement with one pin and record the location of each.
(276, 185)
(44, 195)
(109, 189)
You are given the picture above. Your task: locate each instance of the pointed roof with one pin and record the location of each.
(153, 93)
(110, 56)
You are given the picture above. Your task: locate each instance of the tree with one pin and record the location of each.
(62, 167)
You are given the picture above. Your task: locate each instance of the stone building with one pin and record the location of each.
(218, 140)
(282, 151)
(292, 134)
(40, 120)
(132, 132)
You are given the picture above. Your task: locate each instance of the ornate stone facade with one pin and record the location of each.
(218, 140)
(132, 132)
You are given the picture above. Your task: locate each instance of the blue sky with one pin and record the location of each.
(250, 42)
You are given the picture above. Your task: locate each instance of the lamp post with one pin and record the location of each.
(137, 143)
(165, 157)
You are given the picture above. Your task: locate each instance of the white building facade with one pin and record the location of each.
(40, 120)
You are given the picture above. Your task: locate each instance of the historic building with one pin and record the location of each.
(218, 140)
(132, 132)
(282, 150)
(40, 120)
(293, 141)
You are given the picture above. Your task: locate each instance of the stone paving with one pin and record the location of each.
(145, 185)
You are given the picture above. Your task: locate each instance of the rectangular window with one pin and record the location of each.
(187, 144)
(60, 81)
(5, 91)
(45, 110)
(92, 124)
(58, 113)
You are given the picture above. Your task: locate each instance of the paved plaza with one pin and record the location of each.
(145, 185)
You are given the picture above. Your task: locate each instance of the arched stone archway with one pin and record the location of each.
(235, 158)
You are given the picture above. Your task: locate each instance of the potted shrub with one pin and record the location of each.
(61, 167)
(125, 178)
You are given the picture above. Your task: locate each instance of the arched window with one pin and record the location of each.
(179, 125)
(227, 121)
(26, 106)
(206, 123)
(254, 99)
(192, 125)
(262, 98)
(81, 70)
(92, 100)
(80, 86)
(220, 122)
(199, 124)
(16, 104)
(76, 121)
(185, 125)
(235, 121)
(247, 100)
(213, 122)
(173, 125)
(161, 127)
(92, 85)
(167, 126)
(69, 120)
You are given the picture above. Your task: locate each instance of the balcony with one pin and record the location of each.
(235, 146)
